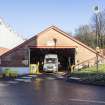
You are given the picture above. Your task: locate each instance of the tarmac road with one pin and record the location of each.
(49, 90)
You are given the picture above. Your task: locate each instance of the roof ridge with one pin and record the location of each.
(79, 42)
(58, 30)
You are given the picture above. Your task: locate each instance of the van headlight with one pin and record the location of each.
(54, 67)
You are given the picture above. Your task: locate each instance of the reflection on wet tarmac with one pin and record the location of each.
(50, 91)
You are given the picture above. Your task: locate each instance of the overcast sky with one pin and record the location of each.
(29, 17)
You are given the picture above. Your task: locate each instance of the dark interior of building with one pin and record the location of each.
(66, 56)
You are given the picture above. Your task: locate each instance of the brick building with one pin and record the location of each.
(51, 40)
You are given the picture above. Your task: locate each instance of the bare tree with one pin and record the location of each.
(87, 33)
(84, 34)
(98, 24)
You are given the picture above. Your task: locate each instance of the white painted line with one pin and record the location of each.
(60, 77)
(50, 78)
(90, 101)
(26, 77)
(39, 79)
(27, 80)
(23, 80)
(74, 78)
(19, 79)
(33, 75)
(12, 82)
(2, 85)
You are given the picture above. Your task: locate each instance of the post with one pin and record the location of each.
(69, 65)
(97, 62)
(97, 35)
(96, 11)
(97, 42)
(97, 52)
(29, 57)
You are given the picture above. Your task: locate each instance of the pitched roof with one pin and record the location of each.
(56, 29)
(3, 50)
(70, 37)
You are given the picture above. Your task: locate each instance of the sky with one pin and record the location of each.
(29, 17)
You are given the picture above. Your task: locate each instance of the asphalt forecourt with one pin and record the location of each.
(47, 90)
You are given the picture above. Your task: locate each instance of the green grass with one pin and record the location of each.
(91, 75)
(101, 69)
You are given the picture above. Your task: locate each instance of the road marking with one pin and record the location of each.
(90, 101)
(60, 76)
(12, 82)
(2, 84)
(26, 77)
(50, 78)
(19, 79)
(75, 78)
(23, 80)
(32, 75)
(27, 80)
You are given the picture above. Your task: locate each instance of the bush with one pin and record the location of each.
(10, 73)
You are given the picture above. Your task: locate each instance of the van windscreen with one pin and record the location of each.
(51, 60)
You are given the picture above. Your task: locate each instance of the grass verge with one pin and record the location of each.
(91, 76)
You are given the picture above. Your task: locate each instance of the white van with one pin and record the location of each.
(50, 63)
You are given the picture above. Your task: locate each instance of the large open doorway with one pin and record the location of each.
(66, 56)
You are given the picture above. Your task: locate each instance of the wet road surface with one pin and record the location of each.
(49, 91)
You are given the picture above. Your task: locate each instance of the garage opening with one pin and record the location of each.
(66, 57)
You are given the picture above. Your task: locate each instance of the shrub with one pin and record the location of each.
(10, 73)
